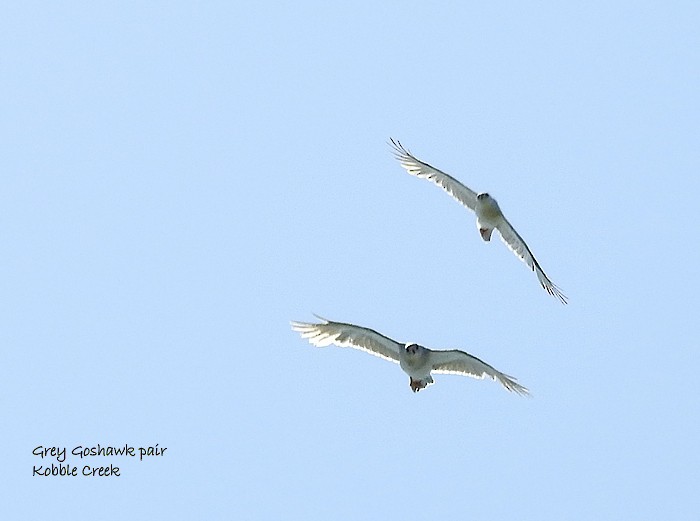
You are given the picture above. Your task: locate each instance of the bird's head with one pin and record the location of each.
(484, 200)
(412, 349)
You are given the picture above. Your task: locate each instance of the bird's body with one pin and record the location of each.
(489, 216)
(417, 362)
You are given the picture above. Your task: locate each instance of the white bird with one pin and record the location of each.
(418, 362)
(488, 213)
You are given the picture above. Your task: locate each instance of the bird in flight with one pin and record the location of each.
(416, 361)
(488, 213)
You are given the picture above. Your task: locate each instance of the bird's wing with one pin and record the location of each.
(518, 246)
(348, 335)
(423, 170)
(458, 362)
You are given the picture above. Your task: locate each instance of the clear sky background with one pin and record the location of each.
(182, 179)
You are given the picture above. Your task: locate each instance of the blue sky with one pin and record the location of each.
(183, 179)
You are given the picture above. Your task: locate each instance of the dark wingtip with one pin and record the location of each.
(399, 149)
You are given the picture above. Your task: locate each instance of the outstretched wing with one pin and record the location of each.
(518, 246)
(349, 335)
(459, 362)
(423, 170)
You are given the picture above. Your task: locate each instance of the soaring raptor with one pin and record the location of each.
(418, 362)
(488, 213)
